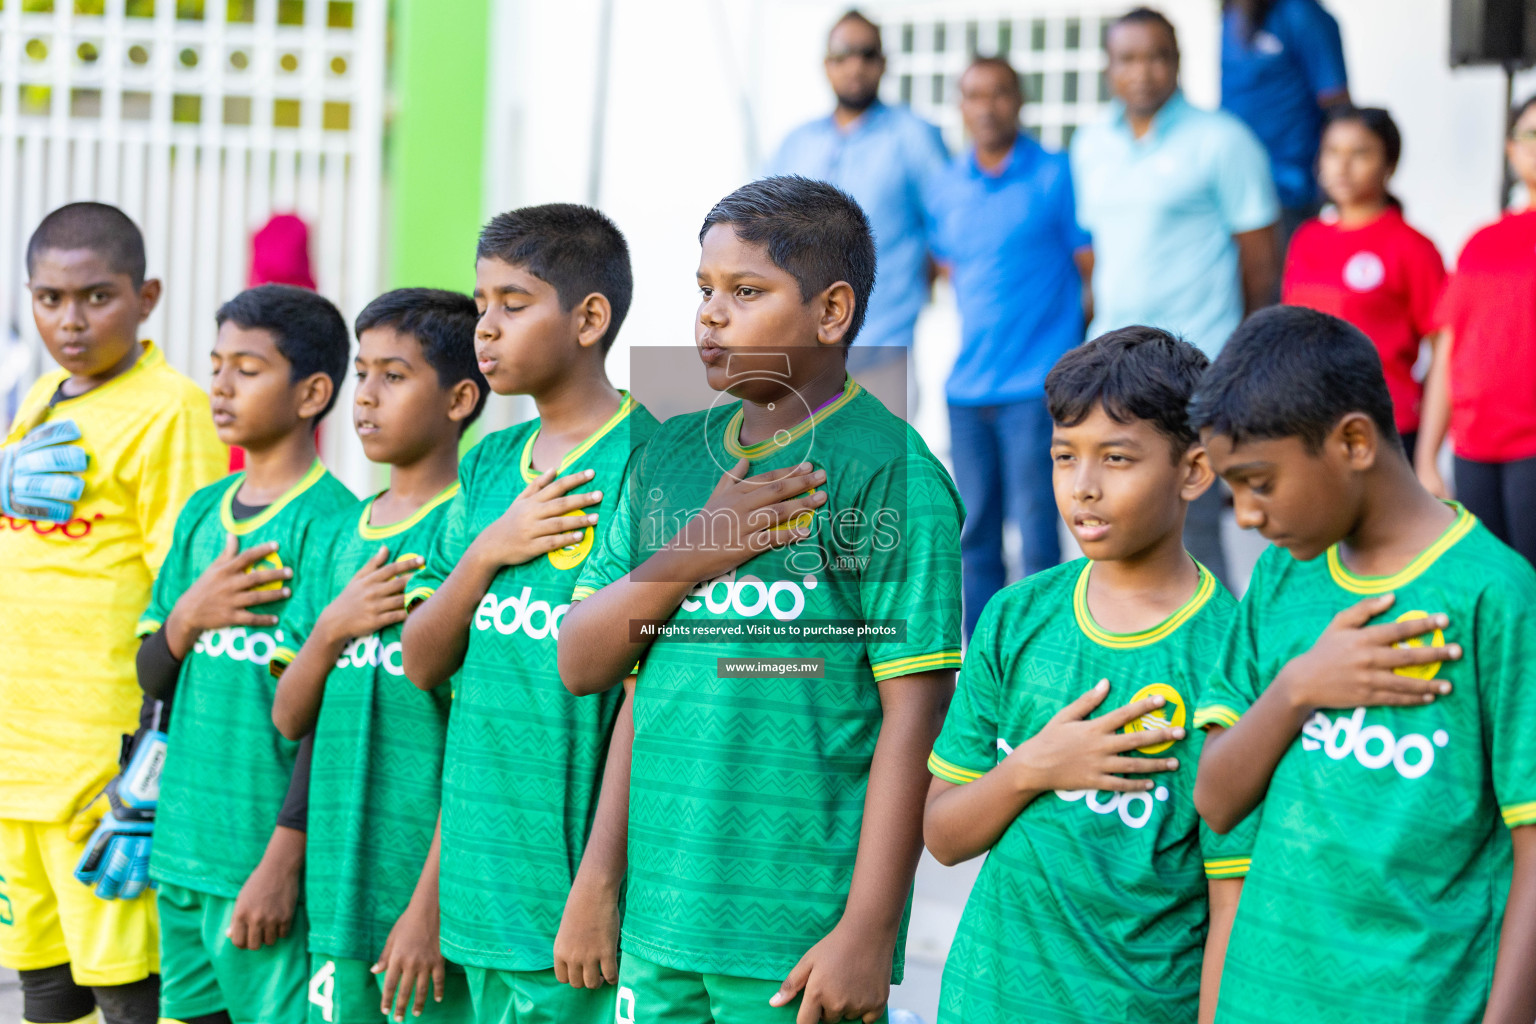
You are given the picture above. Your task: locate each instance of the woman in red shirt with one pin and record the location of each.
(1361, 262)
(1482, 386)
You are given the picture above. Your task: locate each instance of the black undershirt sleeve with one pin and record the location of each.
(295, 812)
(158, 668)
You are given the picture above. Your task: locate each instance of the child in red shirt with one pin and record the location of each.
(1361, 262)
(1483, 383)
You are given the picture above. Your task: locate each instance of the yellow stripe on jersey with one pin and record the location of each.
(1516, 815)
(240, 527)
(1459, 528)
(949, 772)
(1216, 714)
(783, 438)
(1205, 589)
(416, 595)
(75, 592)
(1232, 867)
(626, 406)
(917, 663)
(581, 592)
(368, 531)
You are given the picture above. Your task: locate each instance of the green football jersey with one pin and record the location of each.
(747, 794)
(227, 768)
(1092, 905)
(376, 769)
(1382, 863)
(524, 761)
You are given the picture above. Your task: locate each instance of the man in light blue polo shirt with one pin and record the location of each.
(1004, 224)
(1182, 211)
(882, 156)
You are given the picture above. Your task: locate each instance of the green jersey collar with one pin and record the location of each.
(243, 526)
(1204, 589)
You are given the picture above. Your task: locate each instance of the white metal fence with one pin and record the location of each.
(200, 118)
(1056, 47)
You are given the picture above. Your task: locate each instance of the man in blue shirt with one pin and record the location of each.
(1003, 223)
(1282, 67)
(882, 156)
(1182, 212)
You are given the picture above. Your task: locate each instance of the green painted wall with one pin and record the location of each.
(436, 140)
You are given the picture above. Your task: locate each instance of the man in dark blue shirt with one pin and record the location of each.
(1282, 66)
(1003, 223)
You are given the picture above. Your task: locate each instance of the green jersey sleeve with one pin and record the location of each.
(1505, 649)
(913, 516)
(451, 541)
(613, 554)
(1228, 855)
(176, 571)
(967, 745)
(1235, 683)
(313, 590)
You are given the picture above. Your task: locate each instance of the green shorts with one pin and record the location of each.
(343, 991)
(202, 971)
(652, 994)
(535, 997)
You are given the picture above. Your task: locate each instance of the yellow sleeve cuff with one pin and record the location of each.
(1229, 867)
(144, 627)
(1516, 815)
(914, 665)
(950, 772)
(1216, 714)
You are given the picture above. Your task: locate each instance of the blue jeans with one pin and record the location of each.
(1002, 457)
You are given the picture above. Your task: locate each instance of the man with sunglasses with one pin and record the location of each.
(882, 156)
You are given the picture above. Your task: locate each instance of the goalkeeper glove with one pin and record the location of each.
(39, 475)
(116, 859)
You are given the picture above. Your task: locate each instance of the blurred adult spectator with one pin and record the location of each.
(881, 156)
(1003, 223)
(1482, 383)
(1282, 68)
(1182, 212)
(1362, 262)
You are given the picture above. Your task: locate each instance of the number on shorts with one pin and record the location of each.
(322, 988)
(624, 1007)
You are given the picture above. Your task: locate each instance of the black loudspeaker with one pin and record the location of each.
(1493, 32)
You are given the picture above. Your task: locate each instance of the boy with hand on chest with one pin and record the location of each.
(775, 814)
(374, 741)
(1375, 695)
(1100, 898)
(232, 931)
(534, 781)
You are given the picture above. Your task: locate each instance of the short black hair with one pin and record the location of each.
(443, 323)
(1519, 112)
(1002, 64)
(96, 226)
(1148, 16)
(1292, 372)
(1134, 373)
(811, 230)
(309, 330)
(855, 15)
(574, 249)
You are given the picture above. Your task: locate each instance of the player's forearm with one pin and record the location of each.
(606, 857)
(1512, 998)
(181, 629)
(891, 836)
(1237, 763)
(285, 850)
(300, 688)
(424, 896)
(1224, 893)
(436, 634)
(961, 822)
(597, 649)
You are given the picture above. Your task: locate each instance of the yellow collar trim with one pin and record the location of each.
(150, 355)
(525, 462)
(1120, 641)
(370, 532)
(1381, 584)
(243, 526)
(767, 447)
